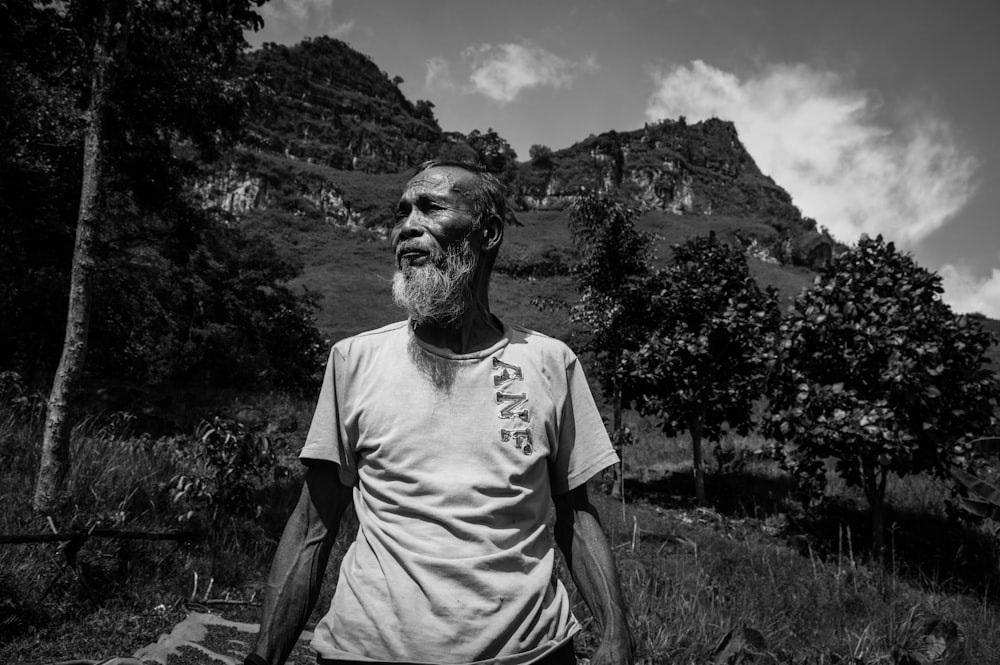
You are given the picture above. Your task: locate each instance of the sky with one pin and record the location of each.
(878, 117)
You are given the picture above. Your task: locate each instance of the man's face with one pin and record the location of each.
(436, 251)
(433, 214)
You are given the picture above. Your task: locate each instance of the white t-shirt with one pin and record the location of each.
(453, 459)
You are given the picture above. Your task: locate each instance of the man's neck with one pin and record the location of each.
(478, 329)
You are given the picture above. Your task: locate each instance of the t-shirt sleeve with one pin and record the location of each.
(328, 438)
(584, 446)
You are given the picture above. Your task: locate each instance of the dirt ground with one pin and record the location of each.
(209, 638)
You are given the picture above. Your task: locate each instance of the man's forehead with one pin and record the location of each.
(441, 180)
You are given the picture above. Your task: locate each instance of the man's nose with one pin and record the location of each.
(409, 227)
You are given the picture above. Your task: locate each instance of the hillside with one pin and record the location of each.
(334, 140)
(323, 102)
(327, 118)
(701, 169)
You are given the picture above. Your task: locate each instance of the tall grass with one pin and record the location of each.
(120, 479)
(806, 581)
(689, 575)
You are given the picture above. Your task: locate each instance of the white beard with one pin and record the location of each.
(438, 291)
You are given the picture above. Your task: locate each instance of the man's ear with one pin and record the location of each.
(492, 230)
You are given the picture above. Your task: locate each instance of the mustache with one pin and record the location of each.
(434, 253)
(413, 245)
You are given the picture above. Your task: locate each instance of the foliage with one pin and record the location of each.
(493, 152)
(614, 257)
(179, 293)
(540, 156)
(982, 497)
(324, 102)
(613, 261)
(230, 462)
(709, 329)
(875, 371)
(207, 304)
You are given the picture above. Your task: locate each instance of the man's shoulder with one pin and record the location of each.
(541, 343)
(371, 339)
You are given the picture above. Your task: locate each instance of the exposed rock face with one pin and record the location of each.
(239, 192)
(684, 169)
(699, 169)
(233, 191)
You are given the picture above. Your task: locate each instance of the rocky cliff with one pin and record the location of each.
(697, 169)
(331, 130)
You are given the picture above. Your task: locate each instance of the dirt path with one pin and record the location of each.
(203, 638)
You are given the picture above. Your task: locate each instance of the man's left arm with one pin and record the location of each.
(583, 543)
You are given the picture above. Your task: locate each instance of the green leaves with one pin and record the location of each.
(874, 370)
(611, 274)
(180, 294)
(710, 331)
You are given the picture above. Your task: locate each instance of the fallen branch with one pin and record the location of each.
(20, 539)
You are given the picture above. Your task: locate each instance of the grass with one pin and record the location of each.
(758, 561)
(690, 575)
(113, 596)
(352, 272)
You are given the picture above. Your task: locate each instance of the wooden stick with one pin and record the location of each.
(18, 539)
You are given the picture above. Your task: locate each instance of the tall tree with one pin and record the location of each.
(709, 333)
(493, 152)
(157, 74)
(876, 372)
(614, 263)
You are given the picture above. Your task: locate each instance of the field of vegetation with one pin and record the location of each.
(751, 559)
(754, 571)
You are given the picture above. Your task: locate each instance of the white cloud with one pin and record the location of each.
(966, 292)
(501, 72)
(341, 30)
(819, 139)
(311, 17)
(438, 74)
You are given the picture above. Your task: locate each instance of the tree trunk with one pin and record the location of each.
(878, 528)
(874, 486)
(618, 471)
(55, 456)
(699, 463)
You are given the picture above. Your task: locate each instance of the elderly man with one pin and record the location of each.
(449, 432)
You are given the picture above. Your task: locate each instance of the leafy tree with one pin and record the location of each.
(613, 265)
(540, 156)
(876, 372)
(493, 152)
(39, 182)
(709, 334)
(454, 148)
(148, 74)
(206, 304)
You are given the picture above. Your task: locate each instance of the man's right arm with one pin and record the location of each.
(299, 564)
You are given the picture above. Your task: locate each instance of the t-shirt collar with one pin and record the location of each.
(475, 355)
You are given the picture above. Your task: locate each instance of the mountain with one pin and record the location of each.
(334, 140)
(323, 102)
(671, 166)
(332, 131)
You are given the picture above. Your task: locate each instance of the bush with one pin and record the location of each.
(229, 462)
